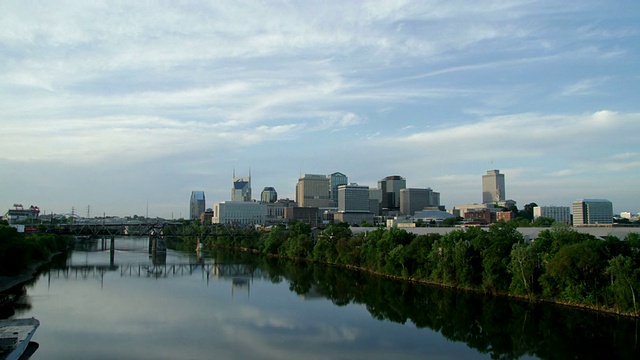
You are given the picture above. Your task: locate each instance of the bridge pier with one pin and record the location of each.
(112, 251)
(157, 249)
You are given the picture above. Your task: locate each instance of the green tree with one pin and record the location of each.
(450, 222)
(624, 283)
(542, 221)
(297, 246)
(274, 240)
(299, 228)
(495, 257)
(573, 273)
(520, 222)
(523, 269)
(418, 250)
(527, 212)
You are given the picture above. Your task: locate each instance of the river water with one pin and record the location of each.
(227, 305)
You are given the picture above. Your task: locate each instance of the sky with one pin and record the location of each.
(123, 108)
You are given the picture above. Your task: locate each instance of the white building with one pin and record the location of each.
(561, 214)
(592, 212)
(241, 213)
(626, 215)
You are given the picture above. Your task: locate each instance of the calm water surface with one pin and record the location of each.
(238, 306)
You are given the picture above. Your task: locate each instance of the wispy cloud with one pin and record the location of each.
(586, 87)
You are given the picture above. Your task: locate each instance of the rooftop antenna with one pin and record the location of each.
(147, 216)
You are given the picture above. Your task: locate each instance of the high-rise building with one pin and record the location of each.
(375, 200)
(413, 200)
(353, 198)
(493, 190)
(196, 205)
(241, 190)
(336, 179)
(592, 212)
(391, 186)
(269, 195)
(353, 204)
(560, 214)
(313, 191)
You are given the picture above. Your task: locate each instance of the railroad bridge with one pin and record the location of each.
(102, 228)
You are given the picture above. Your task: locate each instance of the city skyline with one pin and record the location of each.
(120, 112)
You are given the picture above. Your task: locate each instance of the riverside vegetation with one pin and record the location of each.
(561, 265)
(20, 251)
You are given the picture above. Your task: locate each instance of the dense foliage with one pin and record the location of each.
(19, 250)
(562, 264)
(490, 324)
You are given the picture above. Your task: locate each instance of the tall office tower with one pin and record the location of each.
(592, 212)
(196, 205)
(434, 201)
(336, 179)
(354, 205)
(493, 187)
(241, 190)
(413, 200)
(375, 201)
(313, 191)
(391, 186)
(269, 195)
(353, 198)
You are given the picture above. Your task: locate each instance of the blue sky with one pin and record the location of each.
(114, 105)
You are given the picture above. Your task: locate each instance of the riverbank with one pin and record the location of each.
(518, 297)
(8, 282)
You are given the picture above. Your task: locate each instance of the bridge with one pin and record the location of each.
(96, 228)
(157, 247)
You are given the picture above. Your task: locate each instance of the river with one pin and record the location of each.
(230, 305)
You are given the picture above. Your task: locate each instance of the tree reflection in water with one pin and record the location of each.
(504, 328)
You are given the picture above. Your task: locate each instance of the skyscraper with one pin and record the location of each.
(493, 187)
(413, 200)
(196, 205)
(336, 179)
(241, 190)
(353, 198)
(313, 191)
(353, 204)
(391, 186)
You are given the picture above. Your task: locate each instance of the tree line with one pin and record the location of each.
(20, 250)
(561, 265)
(492, 325)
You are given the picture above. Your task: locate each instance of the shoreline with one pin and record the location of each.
(586, 307)
(9, 282)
